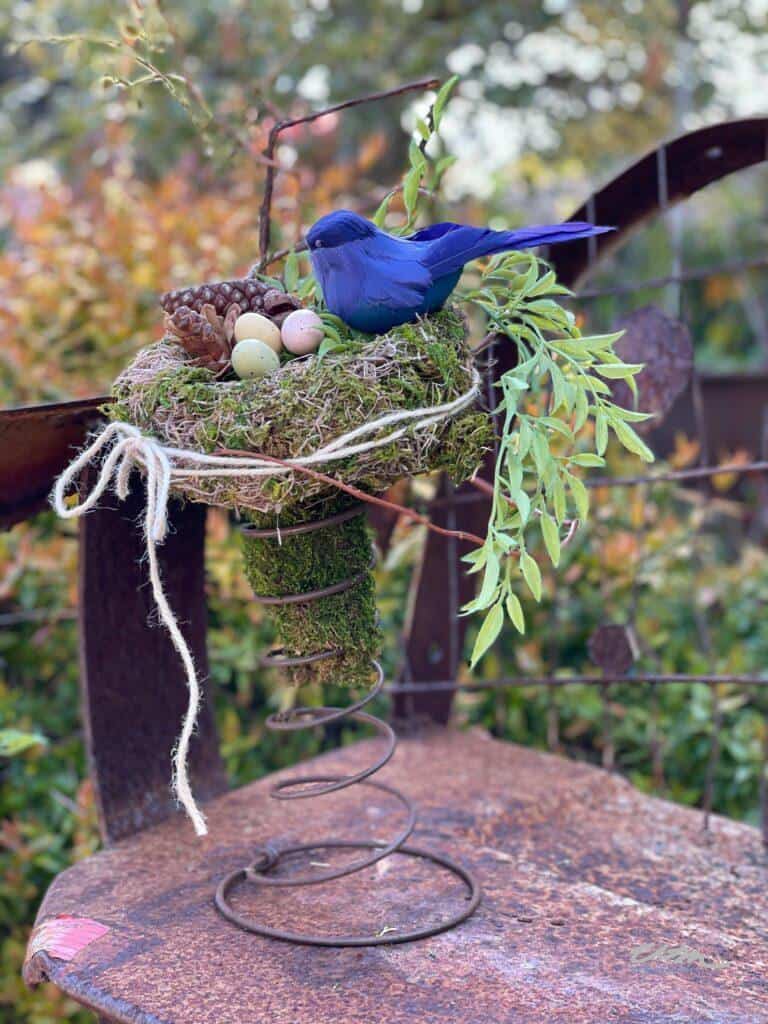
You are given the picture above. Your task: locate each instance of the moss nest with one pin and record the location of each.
(303, 406)
(307, 403)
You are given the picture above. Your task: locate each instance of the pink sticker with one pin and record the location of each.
(64, 936)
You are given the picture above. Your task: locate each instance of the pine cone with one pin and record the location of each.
(204, 335)
(250, 294)
(277, 305)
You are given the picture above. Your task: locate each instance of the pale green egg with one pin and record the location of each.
(253, 358)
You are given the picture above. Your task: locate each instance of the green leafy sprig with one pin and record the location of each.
(536, 474)
(425, 172)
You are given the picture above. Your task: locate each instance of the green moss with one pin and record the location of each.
(344, 622)
(295, 411)
(310, 402)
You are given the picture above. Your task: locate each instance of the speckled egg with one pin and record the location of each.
(302, 331)
(254, 325)
(253, 358)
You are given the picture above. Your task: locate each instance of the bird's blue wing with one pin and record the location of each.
(373, 283)
(393, 273)
(458, 244)
(432, 232)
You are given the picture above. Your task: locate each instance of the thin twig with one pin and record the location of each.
(265, 225)
(392, 506)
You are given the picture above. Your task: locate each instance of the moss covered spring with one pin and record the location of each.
(344, 623)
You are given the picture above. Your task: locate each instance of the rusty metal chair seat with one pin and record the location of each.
(600, 904)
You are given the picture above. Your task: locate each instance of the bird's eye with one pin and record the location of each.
(319, 244)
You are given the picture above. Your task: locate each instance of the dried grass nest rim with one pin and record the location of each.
(309, 403)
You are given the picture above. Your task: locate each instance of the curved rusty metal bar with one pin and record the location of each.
(687, 164)
(36, 443)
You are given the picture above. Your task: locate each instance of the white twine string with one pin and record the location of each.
(121, 448)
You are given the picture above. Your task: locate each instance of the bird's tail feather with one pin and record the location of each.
(545, 234)
(458, 244)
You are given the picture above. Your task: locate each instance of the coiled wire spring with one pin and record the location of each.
(259, 872)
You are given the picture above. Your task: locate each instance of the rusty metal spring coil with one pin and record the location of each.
(307, 786)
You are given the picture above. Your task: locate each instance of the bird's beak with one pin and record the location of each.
(302, 246)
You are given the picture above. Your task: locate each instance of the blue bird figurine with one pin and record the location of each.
(375, 281)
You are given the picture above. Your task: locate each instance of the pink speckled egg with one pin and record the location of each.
(302, 332)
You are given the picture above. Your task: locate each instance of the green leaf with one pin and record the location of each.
(523, 503)
(580, 496)
(541, 455)
(588, 459)
(514, 479)
(551, 535)
(273, 282)
(476, 558)
(531, 574)
(411, 184)
(332, 333)
(510, 381)
(630, 415)
(383, 209)
(544, 284)
(488, 633)
(441, 99)
(601, 432)
(601, 342)
(631, 441)
(525, 436)
(490, 579)
(291, 272)
(618, 371)
(559, 499)
(557, 425)
(582, 410)
(416, 158)
(443, 164)
(331, 342)
(598, 386)
(515, 612)
(14, 741)
(306, 289)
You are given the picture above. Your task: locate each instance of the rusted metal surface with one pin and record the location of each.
(601, 904)
(689, 163)
(734, 407)
(36, 443)
(134, 687)
(664, 345)
(434, 636)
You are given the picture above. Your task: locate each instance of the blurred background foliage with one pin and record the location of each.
(130, 163)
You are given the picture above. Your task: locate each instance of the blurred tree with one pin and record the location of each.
(569, 85)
